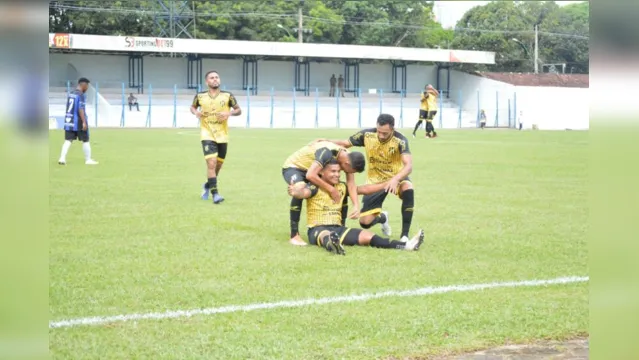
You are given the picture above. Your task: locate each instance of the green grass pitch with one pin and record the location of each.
(132, 236)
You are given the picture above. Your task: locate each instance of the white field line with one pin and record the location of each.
(99, 320)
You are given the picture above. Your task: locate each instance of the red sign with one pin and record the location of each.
(62, 41)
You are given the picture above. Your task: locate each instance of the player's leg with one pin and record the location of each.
(407, 194)
(431, 115)
(210, 150)
(372, 214)
(328, 237)
(429, 128)
(69, 136)
(422, 117)
(86, 147)
(298, 178)
(221, 155)
(366, 238)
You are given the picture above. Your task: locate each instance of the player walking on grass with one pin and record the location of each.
(326, 219)
(76, 124)
(304, 166)
(213, 108)
(389, 161)
(428, 110)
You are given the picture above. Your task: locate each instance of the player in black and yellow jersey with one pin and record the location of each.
(389, 160)
(326, 219)
(428, 110)
(213, 108)
(304, 165)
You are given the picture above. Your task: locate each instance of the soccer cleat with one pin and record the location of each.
(333, 245)
(91, 162)
(217, 198)
(414, 243)
(386, 228)
(62, 162)
(205, 193)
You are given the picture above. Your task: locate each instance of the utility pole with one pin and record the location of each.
(300, 23)
(536, 49)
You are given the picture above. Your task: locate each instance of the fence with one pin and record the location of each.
(284, 108)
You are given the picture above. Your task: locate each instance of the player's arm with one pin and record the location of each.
(352, 190)
(235, 107)
(371, 188)
(407, 160)
(322, 157)
(194, 107)
(81, 113)
(432, 90)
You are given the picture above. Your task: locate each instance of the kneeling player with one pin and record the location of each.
(326, 219)
(304, 166)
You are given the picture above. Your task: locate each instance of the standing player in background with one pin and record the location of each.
(213, 108)
(431, 99)
(76, 124)
(389, 160)
(423, 110)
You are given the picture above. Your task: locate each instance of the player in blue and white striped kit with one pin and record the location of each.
(76, 125)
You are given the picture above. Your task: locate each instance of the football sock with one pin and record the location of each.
(86, 147)
(382, 243)
(65, 150)
(408, 202)
(212, 185)
(378, 219)
(296, 211)
(419, 123)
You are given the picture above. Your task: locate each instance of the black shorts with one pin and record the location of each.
(372, 203)
(294, 175)
(431, 114)
(213, 149)
(423, 114)
(347, 236)
(79, 135)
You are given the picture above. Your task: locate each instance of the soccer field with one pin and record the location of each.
(133, 249)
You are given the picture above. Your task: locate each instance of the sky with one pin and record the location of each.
(449, 12)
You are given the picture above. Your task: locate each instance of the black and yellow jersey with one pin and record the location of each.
(423, 101)
(384, 158)
(210, 127)
(321, 152)
(431, 100)
(321, 210)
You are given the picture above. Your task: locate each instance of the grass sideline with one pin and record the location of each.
(131, 236)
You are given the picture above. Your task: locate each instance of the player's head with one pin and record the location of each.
(212, 79)
(352, 162)
(83, 84)
(385, 126)
(330, 172)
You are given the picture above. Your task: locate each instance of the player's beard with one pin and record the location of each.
(214, 87)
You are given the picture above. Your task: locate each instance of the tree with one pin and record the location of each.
(573, 21)
(507, 28)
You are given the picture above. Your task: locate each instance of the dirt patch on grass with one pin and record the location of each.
(575, 349)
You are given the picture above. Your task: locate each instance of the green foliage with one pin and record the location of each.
(502, 21)
(372, 22)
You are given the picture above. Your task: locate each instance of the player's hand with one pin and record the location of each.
(335, 196)
(354, 214)
(198, 114)
(318, 140)
(392, 186)
(223, 115)
(84, 126)
(291, 188)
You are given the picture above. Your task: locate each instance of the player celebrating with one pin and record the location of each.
(389, 160)
(428, 110)
(326, 219)
(304, 166)
(213, 108)
(76, 125)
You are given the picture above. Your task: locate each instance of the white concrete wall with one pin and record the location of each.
(164, 72)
